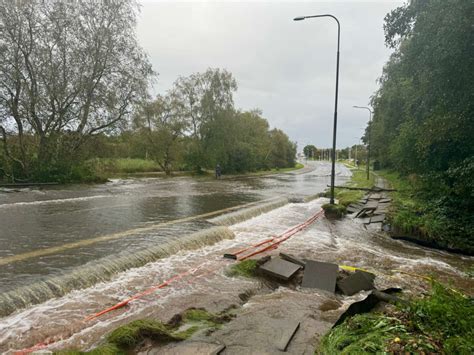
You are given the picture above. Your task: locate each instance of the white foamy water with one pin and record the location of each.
(62, 319)
(55, 201)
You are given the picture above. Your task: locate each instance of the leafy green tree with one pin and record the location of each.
(283, 153)
(310, 151)
(69, 71)
(162, 124)
(423, 112)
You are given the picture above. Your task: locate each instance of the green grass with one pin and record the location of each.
(246, 268)
(358, 179)
(124, 166)
(442, 322)
(414, 216)
(334, 211)
(126, 338)
(131, 334)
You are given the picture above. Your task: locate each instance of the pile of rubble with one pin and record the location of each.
(372, 208)
(312, 274)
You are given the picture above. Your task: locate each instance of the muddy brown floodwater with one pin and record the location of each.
(144, 251)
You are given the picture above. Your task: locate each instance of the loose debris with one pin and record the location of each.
(288, 334)
(372, 208)
(368, 303)
(293, 259)
(279, 268)
(320, 275)
(359, 281)
(291, 271)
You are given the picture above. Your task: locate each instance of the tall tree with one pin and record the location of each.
(68, 70)
(162, 124)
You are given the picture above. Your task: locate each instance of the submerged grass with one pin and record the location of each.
(246, 268)
(442, 322)
(127, 338)
(358, 179)
(131, 334)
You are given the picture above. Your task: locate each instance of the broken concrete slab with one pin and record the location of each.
(371, 205)
(279, 268)
(293, 259)
(365, 211)
(368, 303)
(288, 334)
(375, 196)
(320, 275)
(190, 348)
(385, 200)
(359, 281)
(377, 219)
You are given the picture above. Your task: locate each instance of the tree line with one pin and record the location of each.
(356, 152)
(75, 83)
(423, 123)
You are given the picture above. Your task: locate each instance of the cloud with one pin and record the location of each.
(283, 67)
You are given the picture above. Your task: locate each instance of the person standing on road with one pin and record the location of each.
(218, 171)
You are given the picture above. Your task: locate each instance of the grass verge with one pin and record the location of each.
(246, 268)
(334, 211)
(358, 179)
(442, 322)
(415, 217)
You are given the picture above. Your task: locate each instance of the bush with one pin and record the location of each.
(333, 211)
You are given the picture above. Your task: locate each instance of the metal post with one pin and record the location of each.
(333, 155)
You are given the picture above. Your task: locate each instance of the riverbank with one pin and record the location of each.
(415, 218)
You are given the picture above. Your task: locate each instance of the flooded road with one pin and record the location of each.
(52, 231)
(129, 210)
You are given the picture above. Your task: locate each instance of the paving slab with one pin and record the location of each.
(320, 275)
(293, 259)
(365, 211)
(385, 200)
(359, 281)
(377, 219)
(287, 335)
(279, 268)
(351, 209)
(371, 205)
(189, 348)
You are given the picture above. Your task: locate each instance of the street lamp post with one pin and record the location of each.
(368, 136)
(333, 155)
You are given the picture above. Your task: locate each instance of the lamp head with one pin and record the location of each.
(299, 18)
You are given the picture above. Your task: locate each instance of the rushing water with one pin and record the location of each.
(127, 235)
(52, 239)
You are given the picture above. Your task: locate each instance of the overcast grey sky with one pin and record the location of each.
(285, 68)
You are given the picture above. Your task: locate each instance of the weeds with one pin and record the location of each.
(442, 322)
(246, 268)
